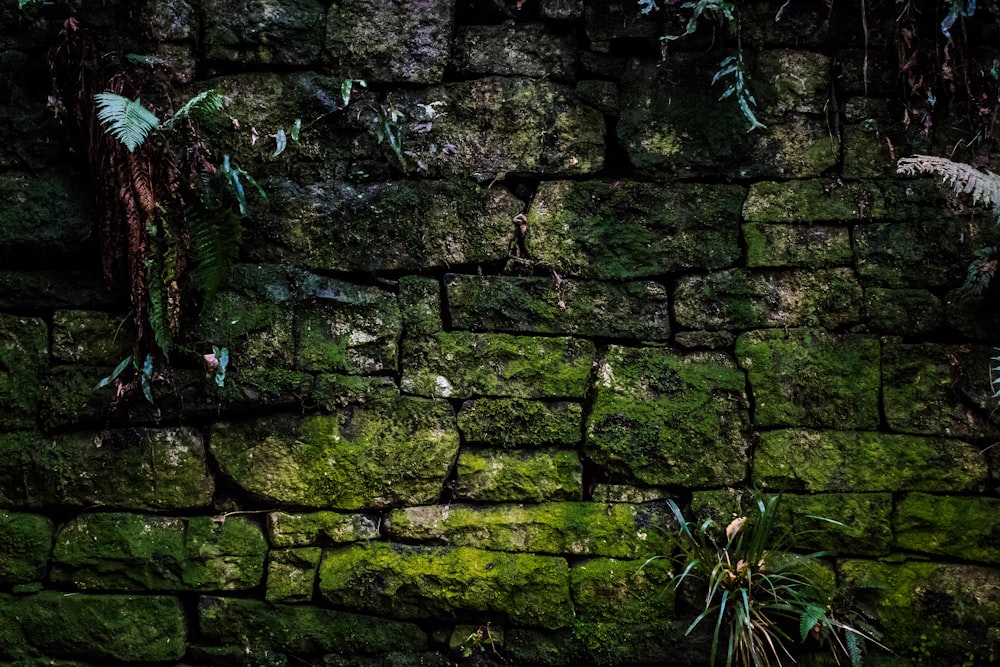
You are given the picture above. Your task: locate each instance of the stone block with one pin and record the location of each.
(807, 377)
(813, 247)
(867, 154)
(622, 591)
(523, 49)
(737, 299)
(660, 417)
(560, 306)
(893, 311)
(24, 350)
(56, 289)
(333, 392)
(413, 582)
(386, 453)
(813, 201)
(264, 32)
(659, 641)
(856, 461)
(626, 230)
(519, 476)
(512, 422)
(90, 337)
(172, 20)
(463, 365)
(956, 526)
(291, 574)
(43, 216)
(420, 305)
(792, 82)
(286, 529)
(25, 545)
(566, 528)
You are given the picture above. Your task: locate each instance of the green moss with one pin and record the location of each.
(90, 337)
(519, 476)
(956, 526)
(23, 359)
(420, 305)
(291, 574)
(43, 212)
(515, 422)
(299, 530)
(812, 201)
(25, 544)
(622, 591)
(258, 387)
(257, 332)
(795, 245)
(892, 311)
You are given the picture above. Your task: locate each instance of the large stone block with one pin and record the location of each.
(519, 476)
(24, 348)
(302, 629)
(892, 311)
(463, 365)
(400, 41)
(264, 32)
(514, 50)
(808, 377)
(441, 582)
(578, 529)
(737, 299)
(660, 417)
(56, 289)
(857, 461)
(25, 545)
(117, 551)
(291, 574)
(90, 337)
(385, 453)
(626, 230)
(420, 305)
(811, 201)
(554, 305)
(512, 422)
(134, 468)
(796, 245)
(793, 82)
(43, 217)
(285, 529)
(623, 591)
(956, 526)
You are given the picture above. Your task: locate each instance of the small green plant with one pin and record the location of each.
(757, 591)
(477, 642)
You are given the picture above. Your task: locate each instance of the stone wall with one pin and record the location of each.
(463, 386)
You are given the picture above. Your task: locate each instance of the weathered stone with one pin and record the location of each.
(441, 582)
(483, 127)
(420, 305)
(937, 389)
(510, 422)
(264, 32)
(332, 392)
(135, 468)
(711, 340)
(353, 330)
(24, 347)
(25, 544)
(811, 378)
(813, 201)
(664, 418)
(90, 337)
(892, 311)
(794, 245)
(856, 461)
(738, 299)
(463, 365)
(388, 452)
(562, 9)
(546, 305)
(399, 41)
(302, 530)
(71, 396)
(625, 230)
(602, 95)
(255, 388)
(607, 20)
(801, 147)
(657, 641)
(172, 20)
(392, 659)
(291, 574)
(622, 591)
(514, 50)
(116, 551)
(519, 476)
(793, 82)
(623, 493)
(127, 628)
(42, 217)
(864, 519)
(931, 612)
(956, 526)
(867, 154)
(55, 289)
(579, 529)
(460, 223)
(302, 629)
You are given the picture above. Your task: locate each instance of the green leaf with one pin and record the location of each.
(206, 101)
(296, 128)
(126, 120)
(281, 140)
(115, 374)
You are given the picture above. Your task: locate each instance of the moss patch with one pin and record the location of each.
(519, 476)
(512, 422)
(23, 359)
(285, 529)
(956, 526)
(25, 544)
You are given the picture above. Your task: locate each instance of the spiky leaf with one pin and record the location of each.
(126, 120)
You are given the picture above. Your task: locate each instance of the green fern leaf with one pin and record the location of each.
(215, 239)
(126, 120)
(205, 102)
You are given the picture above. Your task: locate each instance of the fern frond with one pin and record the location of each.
(207, 101)
(215, 240)
(983, 186)
(126, 120)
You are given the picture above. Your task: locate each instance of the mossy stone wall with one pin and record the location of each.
(462, 387)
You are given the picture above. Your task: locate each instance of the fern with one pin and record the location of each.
(205, 102)
(127, 120)
(983, 186)
(215, 238)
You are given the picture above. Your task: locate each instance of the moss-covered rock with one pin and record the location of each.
(385, 453)
(353, 330)
(813, 201)
(622, 591)
(512, 422)
(579, 529)
(519, 476)
(459, 223)
(892, 311)
(664, 418)
(547, 305)
(420, 305)
(56, 289)
(127, 628)
(390, 42)
(816, 246)
(333, 392)
(441, 582)
(793, 82)
(116, 551)
(263, 32)
(523, 50)
(852, 461)
(931, 613)
(135, 468)
(625, 493)
(955, 526)
(738, 299)
(625, 229)
(867, 154)
(43, 216)
(25, 545)
(285, 529)
(24, 347)
(291, 574)
(808, 377)
(937, 389)
(255, 388)
(89, 337)
(302, 629)
(72, 398)
(464, 365)
(657, 641)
